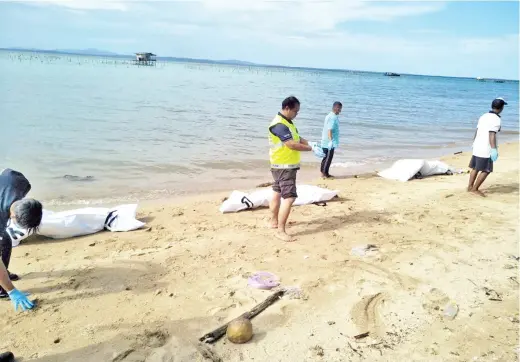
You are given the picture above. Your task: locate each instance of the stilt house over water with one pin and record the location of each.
(145, 59)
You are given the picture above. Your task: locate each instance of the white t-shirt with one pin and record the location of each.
(488, 122)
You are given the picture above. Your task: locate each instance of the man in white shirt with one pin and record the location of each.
(485, 146)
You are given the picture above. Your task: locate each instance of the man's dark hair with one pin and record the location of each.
(28, 214)
(498, 104)
(337, 104)
(290, 102)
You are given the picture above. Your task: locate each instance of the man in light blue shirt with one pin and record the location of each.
(330, 138)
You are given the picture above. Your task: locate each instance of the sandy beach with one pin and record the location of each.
(148, 295)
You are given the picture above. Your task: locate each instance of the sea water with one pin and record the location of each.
(93, 129)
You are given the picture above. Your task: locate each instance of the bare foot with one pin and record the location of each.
(282, 235)
(272, 225)
(479, 193)
(469, 188)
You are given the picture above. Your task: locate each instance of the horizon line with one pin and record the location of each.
(236, 62)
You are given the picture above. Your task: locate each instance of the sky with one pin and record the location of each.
(457, 38)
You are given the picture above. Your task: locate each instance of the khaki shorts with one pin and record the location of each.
(285, 182)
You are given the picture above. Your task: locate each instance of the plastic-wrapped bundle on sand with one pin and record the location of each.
(89, 220)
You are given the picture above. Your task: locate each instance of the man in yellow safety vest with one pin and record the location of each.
(285, 147)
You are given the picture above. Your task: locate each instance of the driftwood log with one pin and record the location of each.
(215, 335)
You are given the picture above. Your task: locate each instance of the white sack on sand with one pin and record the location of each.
(404, 170)
(89, 220)
(307, 194)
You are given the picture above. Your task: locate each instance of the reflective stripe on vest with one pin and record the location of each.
(285, 166)
(280, 155)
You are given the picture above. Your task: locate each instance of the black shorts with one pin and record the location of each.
(481, 164)
(285, 182)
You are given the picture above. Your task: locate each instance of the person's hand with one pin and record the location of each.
(494, 154)
(330, 145)
(20, 299)
(318, 152)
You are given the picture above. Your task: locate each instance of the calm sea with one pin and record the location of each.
(98, 130)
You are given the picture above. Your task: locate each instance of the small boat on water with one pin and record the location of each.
(390, 74)
(490, 80)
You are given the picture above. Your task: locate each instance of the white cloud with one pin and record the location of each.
(321, 14)
(313, 15)
(331, 13)
(272, 18)
(121, 5)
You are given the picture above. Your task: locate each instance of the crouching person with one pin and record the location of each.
(15, 210)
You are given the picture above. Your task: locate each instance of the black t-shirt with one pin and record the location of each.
(281, 130)
(13, 187)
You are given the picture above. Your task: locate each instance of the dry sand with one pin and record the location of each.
(149, 295)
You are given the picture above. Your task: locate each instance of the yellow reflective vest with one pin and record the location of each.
(280, 155)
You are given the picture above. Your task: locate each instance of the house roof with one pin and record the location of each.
(149, 54)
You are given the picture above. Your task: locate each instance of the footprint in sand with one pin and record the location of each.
(154, 339)
(434, 300)
(366, 314)
(176, 350)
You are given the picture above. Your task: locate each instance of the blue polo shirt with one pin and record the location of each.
(331, 123)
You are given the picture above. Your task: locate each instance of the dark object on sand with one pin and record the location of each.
(419, 176)
(7, 357)
(492, 294)
(458, 153)
(265, 184)
(215, 335)
(390, 74)
(362, 335)
(78, 178)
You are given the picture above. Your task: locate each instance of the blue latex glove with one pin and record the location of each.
(20, 299)
(494, 154)
(318, 152)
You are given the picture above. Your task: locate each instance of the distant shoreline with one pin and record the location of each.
(103, 54)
